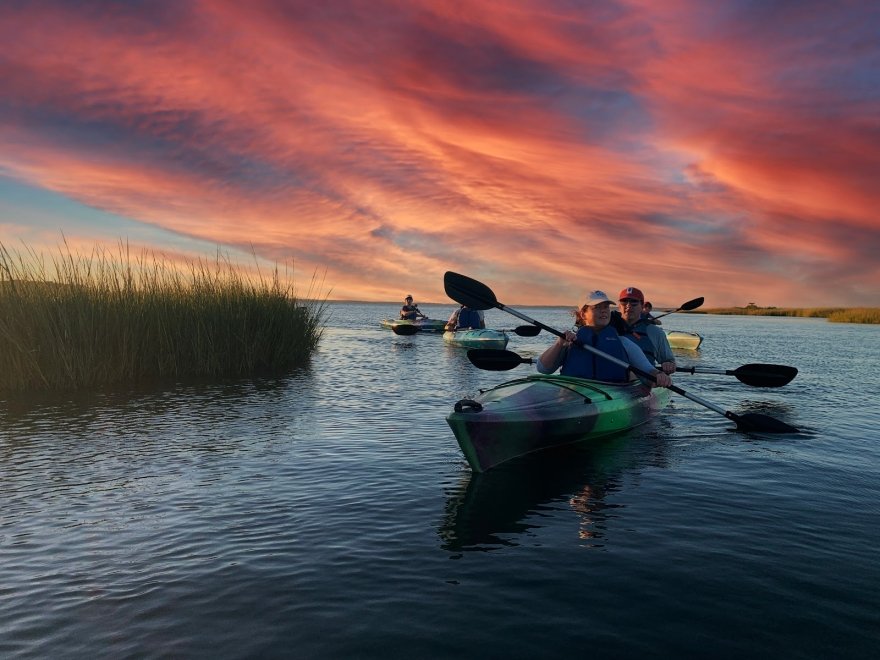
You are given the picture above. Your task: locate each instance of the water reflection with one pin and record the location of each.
(494, 509)
(61, 428)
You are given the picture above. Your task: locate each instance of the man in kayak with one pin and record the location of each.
(410, 311)
(651, 339)
(594, 318)
(465, 318)
(647, 308)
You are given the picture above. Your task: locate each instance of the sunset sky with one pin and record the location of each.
(729, 150)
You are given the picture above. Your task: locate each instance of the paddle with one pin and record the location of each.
(493, 359)
(525, 331)
(407, 329)
(685, 307)
(756, 375)
(476, 295)
(404, 329)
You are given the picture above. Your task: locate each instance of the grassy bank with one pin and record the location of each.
(102, 319)
(833, 314)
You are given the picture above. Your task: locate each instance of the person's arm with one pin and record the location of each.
(639, 361)
(662, 349)
(551, 359)
(452, 323)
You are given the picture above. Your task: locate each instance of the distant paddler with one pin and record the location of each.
(410, 311)
(465, 318)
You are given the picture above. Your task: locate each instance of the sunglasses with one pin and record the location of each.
(630, 301)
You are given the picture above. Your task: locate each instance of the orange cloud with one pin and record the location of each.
(544, 145)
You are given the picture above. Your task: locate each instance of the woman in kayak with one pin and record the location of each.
(651, 339)
(409, 311)
(594, 318)
(465, 318)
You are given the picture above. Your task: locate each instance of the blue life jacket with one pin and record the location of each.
(639, 334)
(583, 364)
(408, 312)
(468, 318)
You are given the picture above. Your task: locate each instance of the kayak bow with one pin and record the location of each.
(681, 339)
(476, 338)
(541, 411)
(424, 325)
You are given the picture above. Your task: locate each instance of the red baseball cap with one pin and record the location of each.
(631, 292)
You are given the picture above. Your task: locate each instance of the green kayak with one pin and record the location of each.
(425, 325)
(541, 411)
(680, 339)
(482, 338)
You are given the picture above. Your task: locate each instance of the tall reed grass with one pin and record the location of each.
(103, 319)
(833, 314)
(856, 315)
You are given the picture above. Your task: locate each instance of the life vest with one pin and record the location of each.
(468, 318)
(408, 312)
(582, 363)
(639, 334)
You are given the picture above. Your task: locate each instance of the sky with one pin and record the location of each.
(729, 150)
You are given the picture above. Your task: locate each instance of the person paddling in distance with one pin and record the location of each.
(410, 311)
(651, 339)
(594, 330)
(647, 308)
(465, 318)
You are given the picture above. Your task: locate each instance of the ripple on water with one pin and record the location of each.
(331, 514)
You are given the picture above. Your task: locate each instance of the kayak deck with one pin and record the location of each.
(541, 411)
(681, 339)
(425, 325)
(482, 338)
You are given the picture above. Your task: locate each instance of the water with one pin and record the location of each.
(330, 514)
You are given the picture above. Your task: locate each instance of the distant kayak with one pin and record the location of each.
(425, 325)
(681, 339)
(541, 411)
(477, 338)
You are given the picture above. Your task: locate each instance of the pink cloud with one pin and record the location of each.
(652, 143)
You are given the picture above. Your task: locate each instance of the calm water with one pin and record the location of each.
(331, 515)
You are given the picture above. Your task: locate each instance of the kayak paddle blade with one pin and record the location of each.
(759, 423)
(527, 331)
(765, 375)
(685, 307)
(468, 292)
(491, 359)
(404, 329)
(691, 304)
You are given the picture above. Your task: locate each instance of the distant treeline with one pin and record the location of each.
(103, 319)
(833, 314)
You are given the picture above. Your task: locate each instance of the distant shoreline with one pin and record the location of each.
(833, 314)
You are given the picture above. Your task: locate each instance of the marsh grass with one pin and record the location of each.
(856, 315)
(833, 314)
(104, 319)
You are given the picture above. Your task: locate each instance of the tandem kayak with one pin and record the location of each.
(425, 325)
(483, 338)
(541, 411)
(679, 339)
